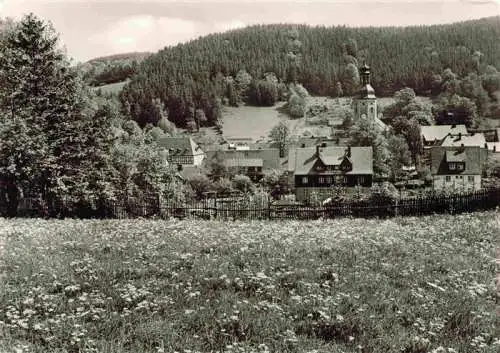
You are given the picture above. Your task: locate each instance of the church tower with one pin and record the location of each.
(365, 102)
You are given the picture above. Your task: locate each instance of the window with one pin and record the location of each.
(329, 180)
(448, 178)
(460, 166)
(452, 166)
(321, 180)
(345, 180)
(361, 180)
(470, 178)
(304, 180)
(371, 110)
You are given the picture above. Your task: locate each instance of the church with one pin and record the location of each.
(365, 101)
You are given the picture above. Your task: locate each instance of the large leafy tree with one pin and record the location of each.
(363, 133)
(280, 134)
(53, 141)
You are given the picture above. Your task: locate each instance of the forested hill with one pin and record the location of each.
(139, 56)
(188, 78)
(113, 68)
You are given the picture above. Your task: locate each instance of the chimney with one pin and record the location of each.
(318, 148)
(302, 145)
(459, 136)
(494, 148)
(323, 144)
(453, 126)
(179, 167)
(485, 145)
(348, 152)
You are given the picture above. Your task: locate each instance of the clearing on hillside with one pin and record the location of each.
(112, 88)
(257, 122)
(249, 121)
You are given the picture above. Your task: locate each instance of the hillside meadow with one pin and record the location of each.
(112, 88)
(409, 285)
(257, 122)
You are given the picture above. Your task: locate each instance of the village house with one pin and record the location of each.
(456, 167)
(435, 134)
(313, 141)
(493, 143)
(317, 169)
(182, 151)
(251, 162)
(468, 140)
(239, 143)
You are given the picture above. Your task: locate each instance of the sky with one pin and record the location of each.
(94, 28)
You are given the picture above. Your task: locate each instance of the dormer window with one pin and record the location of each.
(456, 166)
(345, 166)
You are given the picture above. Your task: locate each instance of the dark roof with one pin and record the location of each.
(180, 146)
(270, 156)
(302, 160)
(366, 91)
(440, 156)
(244, 162)
(455, 156)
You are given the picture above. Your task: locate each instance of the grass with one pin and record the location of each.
(410, 285)
(249, 121)
(112, 88)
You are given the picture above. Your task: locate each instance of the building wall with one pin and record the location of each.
(320, 181)
(198, 159)
(454, 181)
(366, 106)
(304, 191)
(184, 160)
(304, 194)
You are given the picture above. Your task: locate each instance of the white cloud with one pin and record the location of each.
(143, 33)
(226, 26)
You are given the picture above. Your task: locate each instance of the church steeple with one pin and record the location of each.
(365, 74)
(365, 101)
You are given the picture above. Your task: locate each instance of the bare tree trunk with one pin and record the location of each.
(11, 197)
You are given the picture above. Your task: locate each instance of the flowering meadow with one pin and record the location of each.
(411, 285)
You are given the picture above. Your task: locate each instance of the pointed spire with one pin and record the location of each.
(365, 73)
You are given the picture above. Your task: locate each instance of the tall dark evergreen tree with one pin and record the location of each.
(49, 141)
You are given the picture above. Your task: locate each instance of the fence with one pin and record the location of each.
(244, 207)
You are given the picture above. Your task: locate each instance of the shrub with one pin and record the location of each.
(223, 186)
(243, 183)
(200, 184)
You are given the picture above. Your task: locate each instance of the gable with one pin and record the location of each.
(303, 160)
(442, 156)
